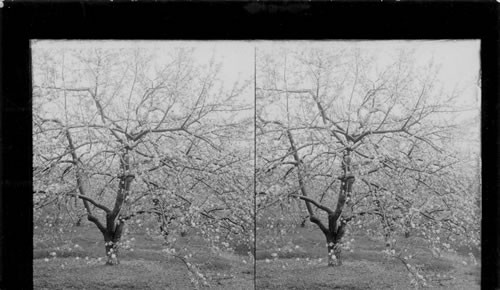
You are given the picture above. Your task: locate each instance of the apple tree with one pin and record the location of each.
(367, 141)
(142, 131)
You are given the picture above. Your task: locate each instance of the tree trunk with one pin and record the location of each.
(111, 246)
(334, 252)
(112, 253)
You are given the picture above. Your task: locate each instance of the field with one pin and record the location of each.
(300, 263)
(296, 263)
(79, 264)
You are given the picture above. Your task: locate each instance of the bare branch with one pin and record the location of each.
(96, 204)
(317, 204)
(97, 223)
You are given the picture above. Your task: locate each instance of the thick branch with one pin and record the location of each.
(317, 204)
(340, 206)
(96, 204)
(97, 223)
(124, 188)
(318, 222)
(298, 161)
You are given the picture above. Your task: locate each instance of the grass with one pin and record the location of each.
(144, 267)
(295, 261)
(298, 261)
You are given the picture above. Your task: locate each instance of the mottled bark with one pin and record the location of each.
(336, 222)
(334, 249)
(112, 243)
(115, 224)
(112, 253)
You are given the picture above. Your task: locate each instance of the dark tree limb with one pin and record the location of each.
(99, 225)
(93, 202)
(317, 204)
(318, 222)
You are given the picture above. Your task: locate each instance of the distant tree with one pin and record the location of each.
(364, 143)
(126, 130)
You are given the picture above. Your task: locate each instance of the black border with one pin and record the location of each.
(25, 20)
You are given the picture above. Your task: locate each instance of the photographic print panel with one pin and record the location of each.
(368, 163)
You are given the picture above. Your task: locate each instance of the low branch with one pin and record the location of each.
(96, 204)
(97, 223)
(317, 204)
(318, 222)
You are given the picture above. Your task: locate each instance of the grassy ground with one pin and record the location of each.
(295, 262)
(300, 263)
(79, 264)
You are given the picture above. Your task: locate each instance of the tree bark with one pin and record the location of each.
(334, 251)
(112, 253)
(111, 245)
(114, 229)
(112, 237)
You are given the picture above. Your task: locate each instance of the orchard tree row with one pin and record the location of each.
(347, 138)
